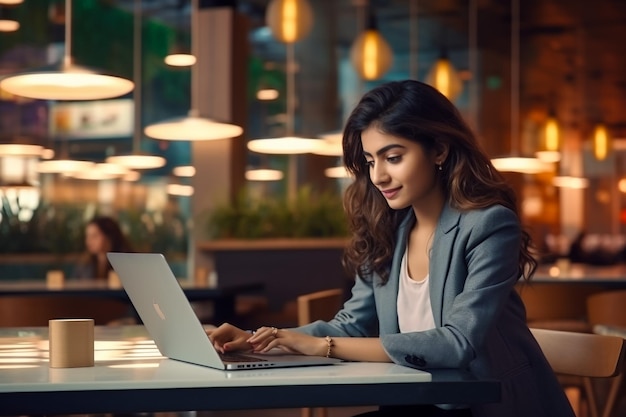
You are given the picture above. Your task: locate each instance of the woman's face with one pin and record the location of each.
(96, 241)
(401, 169)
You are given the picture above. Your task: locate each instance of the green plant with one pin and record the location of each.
(308, 215)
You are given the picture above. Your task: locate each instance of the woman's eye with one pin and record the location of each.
(394, 159)
(369, 164)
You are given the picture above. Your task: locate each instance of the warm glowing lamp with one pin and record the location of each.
(180, 55)
(192, 127)
(7, 25)
(289, 20)
(66, 81)
(445, 78)
(601, 142)
(370, 54)
(551, 142)
(264, 174)
(137, 159)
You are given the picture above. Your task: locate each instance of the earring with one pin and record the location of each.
(440, 167)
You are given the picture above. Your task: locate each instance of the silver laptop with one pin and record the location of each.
(171, 322)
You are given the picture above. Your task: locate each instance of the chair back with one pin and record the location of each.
(607, 308)
(581, 354)
(320, 305)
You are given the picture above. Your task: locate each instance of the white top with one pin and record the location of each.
(414, 311)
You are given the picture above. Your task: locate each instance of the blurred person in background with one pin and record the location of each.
(102, 234)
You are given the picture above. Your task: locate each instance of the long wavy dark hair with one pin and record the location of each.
(119, 243)
(418, 112)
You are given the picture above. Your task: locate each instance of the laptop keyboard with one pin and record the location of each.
(234, 357)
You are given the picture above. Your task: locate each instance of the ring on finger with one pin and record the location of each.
(274, 331)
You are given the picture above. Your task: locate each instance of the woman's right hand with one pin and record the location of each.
(228, 338)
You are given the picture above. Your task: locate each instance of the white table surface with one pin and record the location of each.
(130, 375)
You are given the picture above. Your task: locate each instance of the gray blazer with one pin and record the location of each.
(479, 318)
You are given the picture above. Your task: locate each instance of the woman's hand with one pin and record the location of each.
(266, 338)
(228, 338)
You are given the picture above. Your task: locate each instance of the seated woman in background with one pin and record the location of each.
(102, 234)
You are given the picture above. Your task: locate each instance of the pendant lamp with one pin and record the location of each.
(551, 141)
(65, 80)
(193, 127)
(601, 142)
(180, 54)
(515, 162)
(138, 159)
(370, 54)
(284, 17)
(445, 78)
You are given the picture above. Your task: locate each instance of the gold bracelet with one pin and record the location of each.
(329, 346)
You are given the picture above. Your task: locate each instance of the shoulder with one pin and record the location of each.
(492, 214)
(490, 222)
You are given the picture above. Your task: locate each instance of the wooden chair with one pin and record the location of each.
(320, 305)
(583, 355)
(608, 308)
(557, 306)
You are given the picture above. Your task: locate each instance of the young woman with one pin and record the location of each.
(437, 248)
(102, 234)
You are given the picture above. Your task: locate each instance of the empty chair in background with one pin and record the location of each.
(583, 355)
(557, 306)
(605, 310)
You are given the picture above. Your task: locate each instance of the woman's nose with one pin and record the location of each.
(378, 174)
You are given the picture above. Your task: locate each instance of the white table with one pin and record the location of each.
(131, 376)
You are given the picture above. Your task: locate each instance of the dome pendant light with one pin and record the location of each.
(66, 81)
(517, 163)
(193, 127)
(180, 55)
(137, 160)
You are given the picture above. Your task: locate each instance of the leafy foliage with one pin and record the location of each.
(59, 229)
(309, 215)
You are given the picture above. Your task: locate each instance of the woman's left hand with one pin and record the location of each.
(266, 338)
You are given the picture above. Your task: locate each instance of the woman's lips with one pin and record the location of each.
(390, 193)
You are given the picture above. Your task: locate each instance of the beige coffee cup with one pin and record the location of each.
(55, 279)
(71, 343)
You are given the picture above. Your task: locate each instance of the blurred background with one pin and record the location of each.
(542, 82)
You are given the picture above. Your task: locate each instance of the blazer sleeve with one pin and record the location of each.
(483, 270)
(357, 317)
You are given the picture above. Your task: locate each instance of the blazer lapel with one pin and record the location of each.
(388, 293)
(443, 244)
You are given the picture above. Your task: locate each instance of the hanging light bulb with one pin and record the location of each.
(551, 141)
(289, 20)
(370, 54)
(601, 142)
(137, 159)
(8, 25)
(65, 80)
(445, 78)
(192, 127)
(180, 54)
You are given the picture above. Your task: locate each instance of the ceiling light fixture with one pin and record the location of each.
(65, 80)
(601, 142)
(290, 20)
(551, 141)
(262, 174)
(7, 25)
(180, 55)
(445, 78)
(187, 171)
(517, 163)
(370, 54)
(193, 127)
(137, 159)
